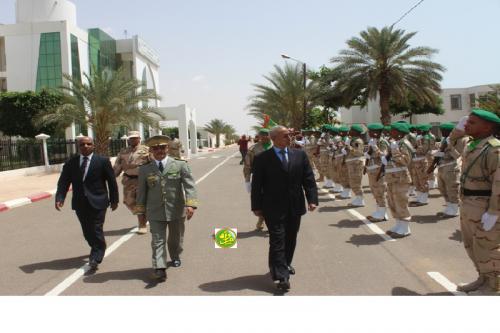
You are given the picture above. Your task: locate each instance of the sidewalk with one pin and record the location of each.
(21, 190)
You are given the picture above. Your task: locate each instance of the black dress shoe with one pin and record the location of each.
(291, 270)
(176, 263)
(284, 284)
(160, 274)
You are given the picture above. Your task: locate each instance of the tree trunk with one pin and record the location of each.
(385, 116)
(102, 143)
(217, 140)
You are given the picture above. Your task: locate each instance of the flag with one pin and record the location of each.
(268, 122)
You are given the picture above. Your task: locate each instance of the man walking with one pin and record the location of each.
(166, 196)
(128, 161)
(280, 177)
(88, 175)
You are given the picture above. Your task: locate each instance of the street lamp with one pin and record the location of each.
(304, 71)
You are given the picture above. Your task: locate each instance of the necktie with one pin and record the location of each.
(284, 161)
(160, 166)
(84, 165)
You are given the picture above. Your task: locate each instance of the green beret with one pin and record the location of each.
(425, 127)
(358, 128)
(401, 127)
(447, 126)
(387, 128)
(412, 127)
(325, 127)
(486, 115)
(157, 140)
(344, 129)
(334, 129)
(375, 127)
(401, 122)
(264, 131)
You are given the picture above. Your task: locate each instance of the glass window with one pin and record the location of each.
(49, 73)
(472, 100)
(456, 102)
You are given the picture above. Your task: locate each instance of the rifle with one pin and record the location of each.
(381, 172)
(437, 159)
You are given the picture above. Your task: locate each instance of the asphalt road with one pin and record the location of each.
(337, 253)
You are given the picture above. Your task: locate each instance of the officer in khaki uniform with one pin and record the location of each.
(166, 196)
(175, 148)
(480, 201)
(378, 146)
(419, 165)
(397, 177)
(332, 168)
(322, 151)
(128, 161)
(264, 144)
(341, 164)
(355, 161)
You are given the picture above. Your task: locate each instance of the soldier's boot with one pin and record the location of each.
(446, 210)
(260, 224)
(379, 215)
(451, 210)
(422, 200)
(328, 183)
(346, 193)
(358, 201)
(402, 229)
(474, 285)
(142, 228)
(338, 188)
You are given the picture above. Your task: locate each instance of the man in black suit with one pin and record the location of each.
(88, 174)
(280, 176)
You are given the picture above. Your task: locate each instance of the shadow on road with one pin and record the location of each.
(250, 282)
(347, 224)
(456, 236)
(119, 232)
(253, 233)
(141, 274)
(325, 199)
(424, 219)
(402, 291)
(332, 209)
(55, 265)
(359, 240)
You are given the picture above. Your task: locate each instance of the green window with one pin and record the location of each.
(75, 59)
(102, 51)
(49, 72)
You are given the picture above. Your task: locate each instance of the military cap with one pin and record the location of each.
(447, 126)
(486, 115)
(375, 127)
(264, 131)
(402, 122)
(387, 128)
(157, 140)
(425, 127)
(335, 129)
(344, 128)
(401, 127)
(358, 128)
(134, 134)
(325, 127)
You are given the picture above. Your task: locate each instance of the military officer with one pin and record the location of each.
(128, 161)
(342, 166)
(323, 143)
(175, 148)
(419, 165)
(332, 168)
(166, 196)
(398, 180)
(378, 146)
(480, 201)
(355, 164)
(264, 144)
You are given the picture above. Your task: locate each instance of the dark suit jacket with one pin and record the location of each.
(93, 188)
(277, 191)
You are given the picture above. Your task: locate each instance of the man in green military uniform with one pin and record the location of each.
(264, 144)
(166, 196)
(128, 161)
(480, 201)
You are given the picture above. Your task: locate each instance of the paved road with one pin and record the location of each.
(337, 253)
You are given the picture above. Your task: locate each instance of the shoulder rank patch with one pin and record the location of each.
(494, 142)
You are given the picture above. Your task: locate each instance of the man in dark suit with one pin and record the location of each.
(88, 174)
(280, 176)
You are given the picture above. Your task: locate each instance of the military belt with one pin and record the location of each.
(447, 164)
(129, 176)
(476, 193)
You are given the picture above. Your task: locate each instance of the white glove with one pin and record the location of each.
(347, 141)
(419, 137)
(439, 154)
(488, 221)
(367, 156)
(461, 123)
(384, 160)
(394, 145)
(447, 140)
(372, 142)
(322, 135)
(343, 151)
(248, 186)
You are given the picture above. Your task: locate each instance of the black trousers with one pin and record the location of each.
(282, 241)
(92, 222)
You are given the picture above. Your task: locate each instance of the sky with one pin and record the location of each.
(211, 52)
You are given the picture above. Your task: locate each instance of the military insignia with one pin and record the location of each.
(152, 180)
(494, 142)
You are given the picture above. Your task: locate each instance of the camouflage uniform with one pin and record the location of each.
(430, 157)
(323, 144)
(342, 169)
(418, 168)
(128, 161)
(175, 148)
(378, 188)
(355, 165)
(480, 193)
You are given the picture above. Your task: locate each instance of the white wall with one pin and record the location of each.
(45, 10)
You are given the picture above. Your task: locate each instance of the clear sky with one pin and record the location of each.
(212, 51)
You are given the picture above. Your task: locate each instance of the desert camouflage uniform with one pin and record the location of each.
(323, 144)
(449, 170)
(342, 169)
(355, 164)
(430, 156)
(418, 166)
(175, 148)
(398, 180)
(378, 188)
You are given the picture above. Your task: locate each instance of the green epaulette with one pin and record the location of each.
(494, 142)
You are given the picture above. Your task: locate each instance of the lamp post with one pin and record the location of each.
(44, 138)
(304, 71)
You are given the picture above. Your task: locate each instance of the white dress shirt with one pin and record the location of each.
(164, 162)
(88, 163)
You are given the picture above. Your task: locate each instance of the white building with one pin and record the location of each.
(46, 42)
(457, 102)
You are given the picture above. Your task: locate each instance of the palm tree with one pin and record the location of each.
(282, 99)
(491, 100)
(216, 127)
(229, 132)
(382, 63)
(107, 101)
